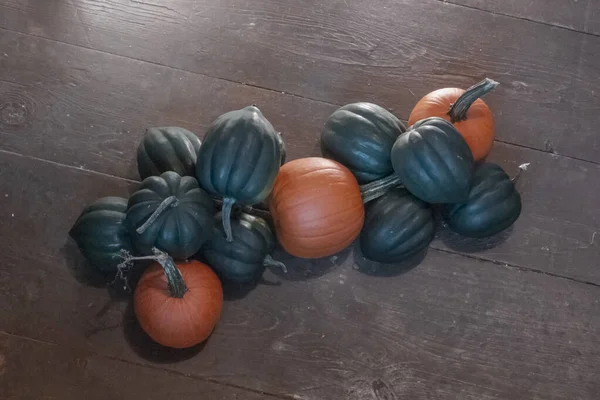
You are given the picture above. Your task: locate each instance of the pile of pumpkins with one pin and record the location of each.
(211, 212)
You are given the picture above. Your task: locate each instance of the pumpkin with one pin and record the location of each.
(246, 257)
(172, 213)
(101, 234)
(177, 304)
(316, 207)
(165, 149)
(360, 136)
(239, 160)
(434, 162)
(463, 108)
(493, 204)
(397, 226)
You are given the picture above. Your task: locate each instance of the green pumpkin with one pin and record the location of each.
(434, 162)
(171, 213)
(282, 148)
(165, 149)
(239, 160)
(245, 258)
(101, 234)
(397, 226)
(493, 204)
(360, 136)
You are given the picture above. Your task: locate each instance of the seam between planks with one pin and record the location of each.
(483, 259)
(150, 366)
(274, 90)
(535, 21)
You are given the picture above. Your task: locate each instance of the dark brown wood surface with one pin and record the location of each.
(578, 15)
(34, 370)
(513, 317)
(390, 52)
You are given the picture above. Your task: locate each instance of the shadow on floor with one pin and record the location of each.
(301, 269)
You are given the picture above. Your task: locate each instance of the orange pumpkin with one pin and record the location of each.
(178, 304)
(467, 112)
(316, 206)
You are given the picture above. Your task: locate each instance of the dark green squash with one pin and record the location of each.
(397, 226)
(282, 148)
(434, 162)
(360, 136)
(493, 204)
(171, 213)
(165, 149)
(245, 258)
(239, 160)
(101, 234)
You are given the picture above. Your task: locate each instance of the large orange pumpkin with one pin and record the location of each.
(464, 108)
(316, 206)
(178, 304)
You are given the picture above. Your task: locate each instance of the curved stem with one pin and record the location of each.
(522, 167)
(373, 190)
(226, 216)
(171, 201)
(270, 262)
(176, 284)
(458, 110)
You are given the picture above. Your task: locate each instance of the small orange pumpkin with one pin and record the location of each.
(177, 304)
(316, 206)
(467, 112)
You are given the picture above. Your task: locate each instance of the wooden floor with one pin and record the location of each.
(517, 317)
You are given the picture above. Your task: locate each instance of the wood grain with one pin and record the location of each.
(453, 327)
(391, 53)
(33, 370)
(572, 14)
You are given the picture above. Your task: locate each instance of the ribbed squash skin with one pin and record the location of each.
(181, 230)
(100, 233)
(243, 259)
(165, 149)
(240, 157)
(360, 136)
(493, 204)
(397, 225)
(434, 162)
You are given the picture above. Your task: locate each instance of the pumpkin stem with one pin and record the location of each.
(171, 201)
(270, 262)
(458, 110)
(373, 190)
(522, 167)
(226, 217)
(175, 280)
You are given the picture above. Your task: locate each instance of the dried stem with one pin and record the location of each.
(270, 262)
(458, 110)
(171, 201)
(373, 190)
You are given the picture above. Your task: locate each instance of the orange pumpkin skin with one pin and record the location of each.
(478, 127)
(317, 207)
(179, 322)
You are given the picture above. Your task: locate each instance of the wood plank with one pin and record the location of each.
(571, 14)
(451, 327)
(351, 51)
(32, 370)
